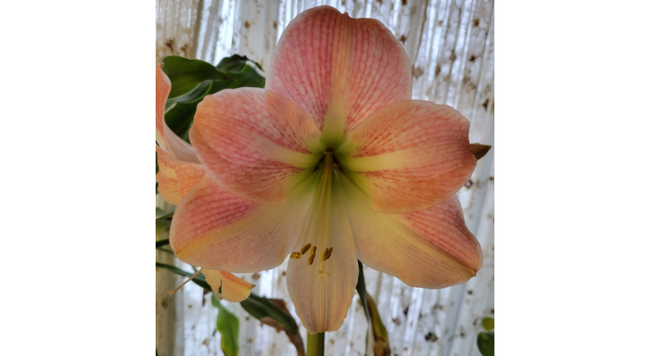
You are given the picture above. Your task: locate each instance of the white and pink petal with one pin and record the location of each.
(227, 285)
(431, 248)
(218, 230)
(322, 290)
(254, 142)
(163, 87)
(409, 155)
(176, 178)
(339, 68)
(166, 138)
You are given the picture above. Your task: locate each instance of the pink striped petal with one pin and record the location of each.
(340, 68)
(410, 155)
(176, 178)
(431, 248)
(233, 288)
(215, 229)
(254, 142)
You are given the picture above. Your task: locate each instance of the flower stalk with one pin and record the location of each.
(316, 344)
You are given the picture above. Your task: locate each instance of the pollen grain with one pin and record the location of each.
(295, 255)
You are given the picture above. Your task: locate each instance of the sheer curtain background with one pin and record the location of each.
(450, 44)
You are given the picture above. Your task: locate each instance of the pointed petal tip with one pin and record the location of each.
(479, 150)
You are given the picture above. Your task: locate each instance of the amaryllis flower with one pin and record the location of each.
(330, 163)
(179, 170)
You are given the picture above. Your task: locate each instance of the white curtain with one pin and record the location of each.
(450, 44)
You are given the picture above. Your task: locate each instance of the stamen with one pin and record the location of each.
(305, 248)
(327, 253)
(295, 255)
(310, 261)
(315, 230)
(171, 292)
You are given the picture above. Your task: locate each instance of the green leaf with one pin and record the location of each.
(164, 212)
(256, 306)
(192, 80)
(161, 243)
(361, 289)
(485, 343)
(248, 77)
(228, 326)
(162, 225)
(488, 323)
(363, 297)
(195, 96)
(199, 279)
(180, 118)
(260, 307)
(235, 63)
(187, 74)
(379, 332)
(294, 337)
(240, 73)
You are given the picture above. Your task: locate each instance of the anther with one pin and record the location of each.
(327, 253)
(295, 255)
(312, 256)
(305, 248)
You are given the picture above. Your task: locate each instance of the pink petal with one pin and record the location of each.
(335, 66)
(254, 142)
(233, 288)
(410, 155)
(176, 178)
(431, 248)
(166, 138)
(322, 292)
(215, 229)
(163, 87)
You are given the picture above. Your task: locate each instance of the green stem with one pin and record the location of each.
(316, 344)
